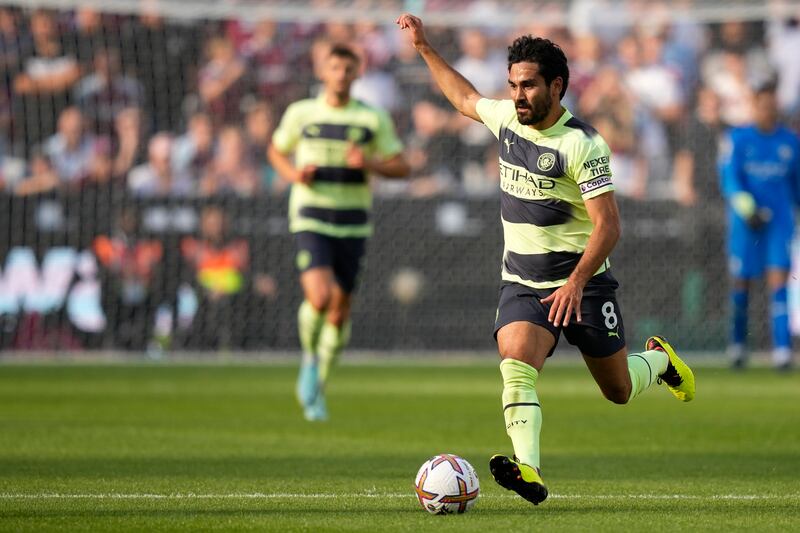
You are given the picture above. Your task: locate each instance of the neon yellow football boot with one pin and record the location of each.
(523, 479)
(678, 376)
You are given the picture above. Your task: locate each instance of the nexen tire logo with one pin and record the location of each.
(595, 183)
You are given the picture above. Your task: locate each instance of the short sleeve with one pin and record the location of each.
(493, 113)
(387, 143)
(592, 168)
(287, 134)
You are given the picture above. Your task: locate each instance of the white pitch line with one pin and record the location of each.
(283, 496)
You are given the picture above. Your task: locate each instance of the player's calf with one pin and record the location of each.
(618, 394)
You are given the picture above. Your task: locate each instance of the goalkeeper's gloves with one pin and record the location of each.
(745, 206)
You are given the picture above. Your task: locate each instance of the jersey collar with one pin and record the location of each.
(324, 103)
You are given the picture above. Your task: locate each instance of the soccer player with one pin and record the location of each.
(760, 173)
(560, 223)
(337, 143)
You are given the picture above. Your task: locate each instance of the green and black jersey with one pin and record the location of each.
(338, 201)
(545, 176)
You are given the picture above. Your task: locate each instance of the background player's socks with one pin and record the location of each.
(781, 341)
(309, 324)
(645, 368)
(521, 409)
(332, 340)
(739, 301)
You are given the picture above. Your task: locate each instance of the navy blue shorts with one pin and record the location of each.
(600, 332)
(343, 256)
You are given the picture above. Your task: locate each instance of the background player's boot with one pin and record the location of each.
(307, 381)
(317, 411)
(678, 376)
(737, 355)
(782, 359)
(523, 479)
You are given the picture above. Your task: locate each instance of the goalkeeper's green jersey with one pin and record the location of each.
(545, 176)
(338, 201)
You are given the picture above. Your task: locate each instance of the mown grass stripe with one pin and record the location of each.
(257, 496)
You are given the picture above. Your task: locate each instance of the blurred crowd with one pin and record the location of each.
(156, 108)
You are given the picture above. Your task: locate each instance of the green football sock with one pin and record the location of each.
(645, 368)
(309, 325)
(332, 340)
(521, 409)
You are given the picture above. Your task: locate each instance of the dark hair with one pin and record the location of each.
(345, 52)
(550, 57)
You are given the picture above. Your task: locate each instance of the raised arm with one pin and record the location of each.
(461, 93)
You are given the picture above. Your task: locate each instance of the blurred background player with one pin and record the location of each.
(760, 172)
(560, 223)
(220, 264)
(131, 272)
(337, 141)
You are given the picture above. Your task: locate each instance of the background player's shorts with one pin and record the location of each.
(343, 256)
(599, 334)
(751, 252)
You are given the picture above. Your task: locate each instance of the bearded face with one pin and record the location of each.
(533, 98)
(534, 110)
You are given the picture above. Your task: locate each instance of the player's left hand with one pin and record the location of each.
(760, 218)
(563, 302)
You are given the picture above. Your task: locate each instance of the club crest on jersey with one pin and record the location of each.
(546, 161)
(355, 134)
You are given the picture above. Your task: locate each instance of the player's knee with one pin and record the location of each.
(337, 316)
(514, 348)
(514, 351)
(320, 299)
(618, 394)
(336, 320)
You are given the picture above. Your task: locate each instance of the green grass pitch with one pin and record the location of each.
(154, 447)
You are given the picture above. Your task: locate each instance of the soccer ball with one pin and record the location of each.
(446, 484)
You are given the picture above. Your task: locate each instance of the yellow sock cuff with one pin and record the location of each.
(644, 368)
(517, 373)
